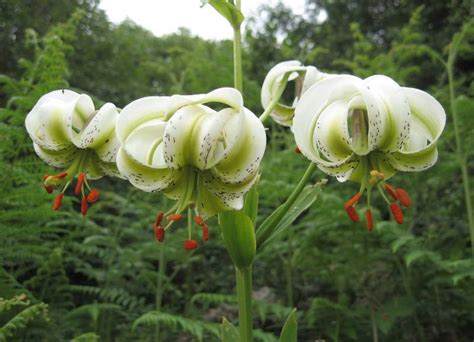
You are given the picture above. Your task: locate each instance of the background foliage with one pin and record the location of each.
(103, 277)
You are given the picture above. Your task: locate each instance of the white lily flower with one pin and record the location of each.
(276, 82)
(68, 133)
(194, 154)
(366, 130)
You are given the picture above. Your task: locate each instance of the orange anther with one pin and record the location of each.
(84, 206)
(352, 213)
(353, 200)
(199, 220)
(93, 196)
(397, 212)
(159, 233)
(159, 218)
(80, 182)
(175, 217)
(60, 175)
(189, 245)
(57, 201)
(49, 188)
(205, 232)
(368, 217)
(391, 191)
(297, 150)
(404, 197)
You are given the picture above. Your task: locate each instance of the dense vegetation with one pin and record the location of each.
(104, 277)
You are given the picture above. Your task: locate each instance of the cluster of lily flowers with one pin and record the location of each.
(205, 159)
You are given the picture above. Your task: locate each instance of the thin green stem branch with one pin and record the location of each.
(238, 55)
(244, 295)
(457, 135)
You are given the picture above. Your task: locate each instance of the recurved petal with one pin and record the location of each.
(331, 133)
(427, 115)
(107, 151)
(145, 143)
(228, 96)
(275, 77)
(179, 148)
(414, 161)
(312, 104)
(143, 177)
(394, 113)
(215, 196)
(48, 124)
(57, 158)
(98, 128)
(139, 112)
(245, 143)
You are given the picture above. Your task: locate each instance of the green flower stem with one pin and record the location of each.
(457, 135)
(237, 55)
(159, 287)
(244, 295)
(243, 275)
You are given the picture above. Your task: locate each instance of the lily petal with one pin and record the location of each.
(139, 112)
(57, 158)
(98, 128)
(143, 177)
(395, 113)
(245, 146)
(145, 144)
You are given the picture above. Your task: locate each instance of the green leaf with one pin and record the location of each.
(227, 9)
(269, 231)
(289, 333)
(239, 237)
(229, 333)
(416, 255)
(251, 204)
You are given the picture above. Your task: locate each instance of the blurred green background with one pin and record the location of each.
(104, 277)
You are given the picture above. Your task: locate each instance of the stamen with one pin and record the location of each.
(352, 213)
(80, 182)
(159, 218)
(57, 201)
(159, 233)
(368, 217)
(391, 191)
(93, 196)
(84, 206)
(199, 220)
(175, 217)
(297, 150)
(353, 200)
(189, 245)
(49, 189)
(397, 212)
(404, 197)
(205, 232)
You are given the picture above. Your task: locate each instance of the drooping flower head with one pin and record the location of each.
(365, 131)
(276, 82)
(199, 156)
(68, 133)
